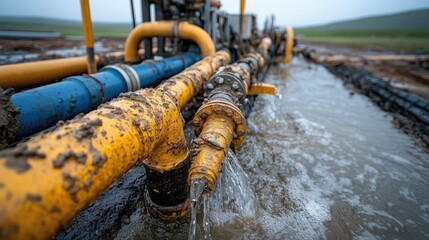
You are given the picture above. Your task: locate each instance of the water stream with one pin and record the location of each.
(321, 163)
(196, 189)
(233, 201)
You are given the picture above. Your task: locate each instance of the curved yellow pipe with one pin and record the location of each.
(33, 73)
(183, 30)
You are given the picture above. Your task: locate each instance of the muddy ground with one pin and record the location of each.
(48, 48)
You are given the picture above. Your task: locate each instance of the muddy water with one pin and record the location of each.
(323, 163)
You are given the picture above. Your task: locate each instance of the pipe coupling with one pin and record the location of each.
(129, 75)
(225, 109)
(233, 79)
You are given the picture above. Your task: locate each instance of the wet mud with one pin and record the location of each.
(103, 218)
(17, 158)
(9, 125)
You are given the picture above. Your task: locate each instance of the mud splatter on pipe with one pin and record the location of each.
(46, 181)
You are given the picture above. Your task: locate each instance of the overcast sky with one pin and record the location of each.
(288, 12)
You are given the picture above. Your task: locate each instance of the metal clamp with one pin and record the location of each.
(128, 73)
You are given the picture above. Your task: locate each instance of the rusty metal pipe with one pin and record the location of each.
(23, 75)
(219, 123)
(183, 30)
(46, 181)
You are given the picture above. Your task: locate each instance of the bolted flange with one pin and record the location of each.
(234, 77)
(222, 108)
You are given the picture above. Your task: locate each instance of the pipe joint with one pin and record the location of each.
(253, 62)
(209, 149)
(167, 194)
(232, 79)
(228, 110)
(128, 73)
(219, 125)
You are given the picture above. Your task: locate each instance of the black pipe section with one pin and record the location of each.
(146, 18)
(132, 13)
(160, 40)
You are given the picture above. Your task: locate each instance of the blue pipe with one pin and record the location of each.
(42, 107)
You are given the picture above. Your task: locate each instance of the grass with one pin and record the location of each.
(408, 31)
(68, 28)
(393, 40)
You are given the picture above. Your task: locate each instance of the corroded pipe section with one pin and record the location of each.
(46, 181)
(219, 123)
(215, 123)
(183, 30)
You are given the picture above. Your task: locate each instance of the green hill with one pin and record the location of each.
(418, 19)
(407, 31)
(66, 27)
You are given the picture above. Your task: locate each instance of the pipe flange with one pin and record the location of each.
(232, 78)
(168, 214)
(226, 109)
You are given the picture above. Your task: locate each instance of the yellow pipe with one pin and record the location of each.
(219, 123)
(261, 88)
(46, 181)
(89, 36)
(288, 45)
(183, 30)
(209, 149)
(33, 73)
(264, 47)
(242, 6)
(183, 87)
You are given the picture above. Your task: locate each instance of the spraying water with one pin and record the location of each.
(197, 188)
(232, 202)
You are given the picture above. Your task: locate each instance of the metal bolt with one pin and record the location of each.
(235, 86)
(220, 80)
(210, 86)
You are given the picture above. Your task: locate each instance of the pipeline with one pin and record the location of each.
(23, 75)
(219, 123)
(42, 107)
(183, 30)
(47, 180)
(34, 73)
